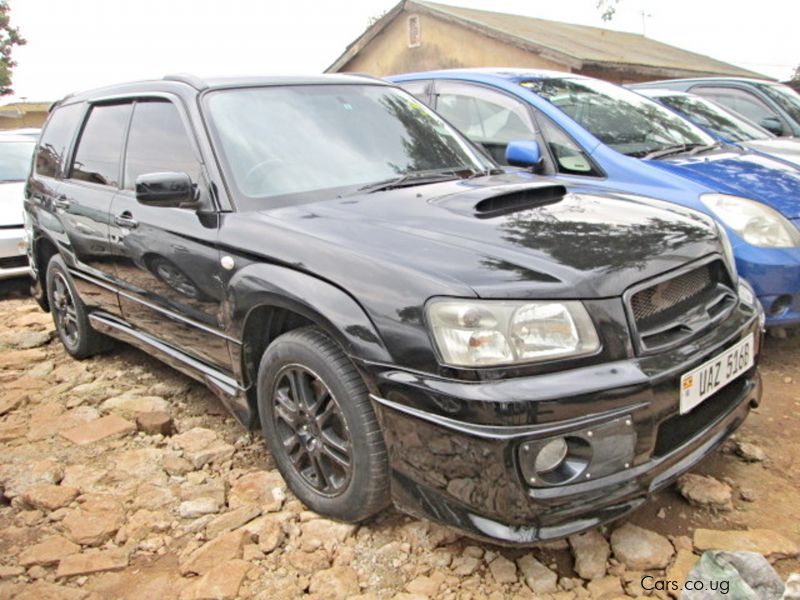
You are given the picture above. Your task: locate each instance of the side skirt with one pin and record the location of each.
(225, 387)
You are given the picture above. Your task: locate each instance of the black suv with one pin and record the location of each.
(404, 321)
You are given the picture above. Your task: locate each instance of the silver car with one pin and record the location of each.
(16, 152)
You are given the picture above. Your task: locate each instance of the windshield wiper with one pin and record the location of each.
(705, 148)
(671, 151)
(408, 180)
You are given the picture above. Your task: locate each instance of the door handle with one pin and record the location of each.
(61, 202)
(126, 220)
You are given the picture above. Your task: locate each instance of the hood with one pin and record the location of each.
(747, 174)
(787, 149)
(11, 201)
(496, 236)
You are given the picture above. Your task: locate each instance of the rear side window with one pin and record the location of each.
(54, 143)
(158, 142)
(99, 148)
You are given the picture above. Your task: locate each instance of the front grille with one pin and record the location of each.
(671, 310)
(14, 262)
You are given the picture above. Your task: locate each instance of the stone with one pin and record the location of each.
(265, 489)
(680, 568)
(43, 590)
(47, 496)
(129, 406)
(538, 577)
(28, 339)
(705, 491)
(770, 544)
(325, 533)
(232, 520)
(308, 562)
(503, 570)
(641, 549)
(464, 565)
(21, 359)
(94, 431)
(139, 463)
(607, 588)
(47, 552)
(92, 561)
(221, 582)
(92, 392)
(12, 429)
(427, 586)
(7, 571)
(269, 530)
(141, 525)
(12, 400)
(176, 465)
(202, 446)
(591, 552)
(15, 479)
(750, 452)
(95, 522)
(198, 507)
(336, 583)
(223, 548)
(154, 423)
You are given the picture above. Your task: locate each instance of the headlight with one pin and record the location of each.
(756, 223)
(475, 333)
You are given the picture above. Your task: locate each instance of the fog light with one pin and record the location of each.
(780, 305)
(551, 456)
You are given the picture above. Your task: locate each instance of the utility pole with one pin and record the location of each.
(645, 15)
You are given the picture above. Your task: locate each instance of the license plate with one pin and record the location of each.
(711, 376)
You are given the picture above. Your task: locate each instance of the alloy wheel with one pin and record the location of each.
(66, 315)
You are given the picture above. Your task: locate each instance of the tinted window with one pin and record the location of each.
(705, 113)
(100, 145)
(158, 142)
(738, 101)
(785, 97)
(485, 117)
(15, 160)
(620, 118)
(569, 157)
(56, 139)
(293, 141)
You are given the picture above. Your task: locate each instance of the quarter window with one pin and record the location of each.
(158, 142)
(100, 146)
(56, 139)
(569, 157)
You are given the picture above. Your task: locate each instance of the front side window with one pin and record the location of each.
(97, 156)
(620, 118)
(743, 103)
(488, 118)
(706, 114)
(295, 142)
(56, 138)
(783, 96)
(158, 142)
(15, 160)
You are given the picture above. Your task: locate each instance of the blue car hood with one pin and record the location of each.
(746, 174)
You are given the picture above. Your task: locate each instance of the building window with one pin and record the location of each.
(414, 35)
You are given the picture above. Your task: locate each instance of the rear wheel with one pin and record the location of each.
(69, 313)
(320, 427)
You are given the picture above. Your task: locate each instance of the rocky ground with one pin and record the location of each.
(120, 478)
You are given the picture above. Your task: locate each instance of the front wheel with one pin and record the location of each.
(320, 427)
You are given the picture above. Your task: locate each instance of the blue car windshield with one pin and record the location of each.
(622, 119)
(297, 143)
(785, 97)
(705, 113)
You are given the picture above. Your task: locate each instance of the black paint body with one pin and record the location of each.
(362, 268)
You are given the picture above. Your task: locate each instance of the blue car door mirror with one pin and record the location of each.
(523, 153)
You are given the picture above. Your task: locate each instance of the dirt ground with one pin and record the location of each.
(98, 503)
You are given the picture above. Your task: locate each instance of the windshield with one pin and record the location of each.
(786, 97)
(15, 160)
(620, 118)
(278, 142)
(706, 114)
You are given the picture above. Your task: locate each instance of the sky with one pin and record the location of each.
(80, 44)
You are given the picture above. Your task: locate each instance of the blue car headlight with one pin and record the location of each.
(756, 223)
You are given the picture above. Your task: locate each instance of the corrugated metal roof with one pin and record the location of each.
(577, 46)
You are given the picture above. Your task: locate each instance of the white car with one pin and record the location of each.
(16, 153)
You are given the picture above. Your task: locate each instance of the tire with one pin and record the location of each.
(69, 313)
(311, 361)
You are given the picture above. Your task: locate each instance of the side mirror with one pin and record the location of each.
(524, 153)
(166, 190)
(772, 124)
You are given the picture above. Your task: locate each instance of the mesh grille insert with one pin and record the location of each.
(651, 302)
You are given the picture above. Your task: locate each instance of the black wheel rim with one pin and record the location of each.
(66, 315)
(312, 430)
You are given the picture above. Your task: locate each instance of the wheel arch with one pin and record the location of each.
(43, 250)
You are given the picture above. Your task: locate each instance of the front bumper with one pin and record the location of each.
(774, 274)
(453, 445)
(13, 259)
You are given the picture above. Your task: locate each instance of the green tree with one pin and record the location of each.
(9, 37)
(607, 9)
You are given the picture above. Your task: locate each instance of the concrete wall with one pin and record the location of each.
(443, 45)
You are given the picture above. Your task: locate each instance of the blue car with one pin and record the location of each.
(591, 132)
(723, 124)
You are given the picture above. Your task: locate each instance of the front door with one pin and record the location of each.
(166, 259)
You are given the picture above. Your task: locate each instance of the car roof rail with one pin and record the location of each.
(188, 79)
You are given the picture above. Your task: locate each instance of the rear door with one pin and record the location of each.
(166, 260)
(83, 201)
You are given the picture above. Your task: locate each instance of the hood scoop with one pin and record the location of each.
(487, 203)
